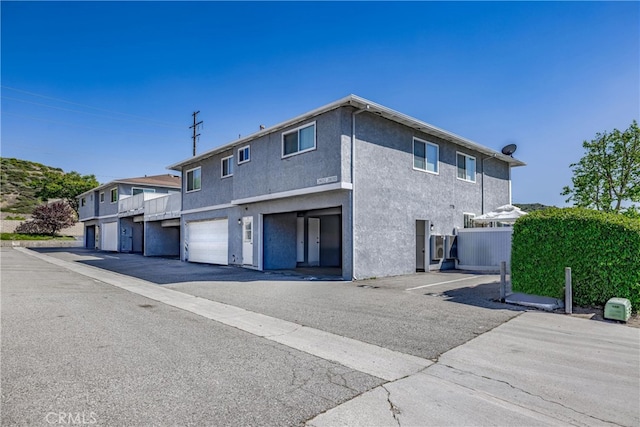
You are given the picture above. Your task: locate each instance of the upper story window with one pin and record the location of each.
(425, 156)
(466, 167)
(194, 180)
(244, 154)
(299, 140)
(102, 197)
(83, 201)
(114, 195)
(227, 166)
(137, 190)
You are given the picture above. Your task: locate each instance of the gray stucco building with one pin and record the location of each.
(115, 218)
(352, 185)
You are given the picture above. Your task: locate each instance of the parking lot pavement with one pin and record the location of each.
(76, 350)
(425, 322)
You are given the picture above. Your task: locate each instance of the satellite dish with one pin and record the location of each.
(508, 150)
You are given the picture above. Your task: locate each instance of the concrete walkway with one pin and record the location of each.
(537, 369)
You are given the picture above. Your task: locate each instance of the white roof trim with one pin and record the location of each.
(115, 182)
(372, 107)
(294, 193)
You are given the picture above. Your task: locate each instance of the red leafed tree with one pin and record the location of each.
(49, 219)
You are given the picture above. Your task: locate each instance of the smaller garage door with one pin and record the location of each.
(208, 241)
(109, 237)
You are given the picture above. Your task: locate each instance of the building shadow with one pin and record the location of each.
(170, 270)
(486, 295)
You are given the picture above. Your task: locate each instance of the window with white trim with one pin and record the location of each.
(468, 220)
(114, 195)
(83, 201)
(244, 155)
(299, 140)
(102, 197)
(194, 179)
(138, 190)
(425, 156)
(466, 167)
(227, 166)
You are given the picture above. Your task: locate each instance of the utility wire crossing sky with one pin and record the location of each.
(109, 88)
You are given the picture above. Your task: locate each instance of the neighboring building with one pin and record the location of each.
(133, 215)
(352, 185)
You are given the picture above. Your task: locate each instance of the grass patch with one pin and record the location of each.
(17, 236)
(15, 218)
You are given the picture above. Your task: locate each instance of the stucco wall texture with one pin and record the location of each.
(389, 195)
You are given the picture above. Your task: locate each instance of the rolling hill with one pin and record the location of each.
(17, 194)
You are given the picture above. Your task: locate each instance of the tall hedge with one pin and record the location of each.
(602, 249)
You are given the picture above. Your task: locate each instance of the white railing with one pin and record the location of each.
(134, 205)
(166, 207)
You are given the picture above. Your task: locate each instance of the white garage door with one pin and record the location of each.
(109, 236)
(208, 241)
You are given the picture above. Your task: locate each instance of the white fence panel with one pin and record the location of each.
(134, 205)
(166, 207)
(483, 249)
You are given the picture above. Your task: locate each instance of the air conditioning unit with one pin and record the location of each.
(450, 247)
(437, 248)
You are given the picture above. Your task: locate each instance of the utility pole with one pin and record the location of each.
(195, 129)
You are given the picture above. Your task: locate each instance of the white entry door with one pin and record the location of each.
(247, 240)
(208, 241)
(314, 241)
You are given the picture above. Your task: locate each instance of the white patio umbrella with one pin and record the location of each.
(507, 213)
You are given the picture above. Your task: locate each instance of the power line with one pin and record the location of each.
(74, 125)
(87, 106)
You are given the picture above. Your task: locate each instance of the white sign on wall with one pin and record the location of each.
(327, 180)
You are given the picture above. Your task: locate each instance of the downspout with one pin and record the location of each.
(353, 189)
(510, 199)
(482, 183)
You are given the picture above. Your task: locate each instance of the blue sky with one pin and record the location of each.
(108, 88)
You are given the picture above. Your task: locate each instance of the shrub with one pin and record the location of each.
(30, 227)
(49, 219)
(602, 249)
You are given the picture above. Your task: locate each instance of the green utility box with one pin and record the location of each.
(617, 309)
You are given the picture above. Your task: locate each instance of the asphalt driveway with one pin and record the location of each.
(87, 345)
(423, 315)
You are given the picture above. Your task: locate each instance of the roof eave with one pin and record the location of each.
(125, 181)
(373, 108)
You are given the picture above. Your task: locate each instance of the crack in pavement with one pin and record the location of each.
(515, 388)
(358, 355)
(395, 411)
(331, 375)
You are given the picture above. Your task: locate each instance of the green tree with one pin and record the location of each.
(66, 186)
(608, 175)
(49, 219)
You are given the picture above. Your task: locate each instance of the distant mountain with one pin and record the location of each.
(530, 207)
(16, 178)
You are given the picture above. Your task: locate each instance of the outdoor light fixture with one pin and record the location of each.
(239, 221)
(431, 227)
